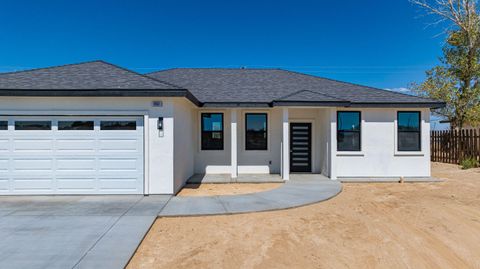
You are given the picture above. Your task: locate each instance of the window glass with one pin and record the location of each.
(118, 125)
(33, 125)
(349, 121)
(408, 121)
(408, 127)
(256, 131)
(348, 131)
(75, 125)
(3, 125)
(212, 131)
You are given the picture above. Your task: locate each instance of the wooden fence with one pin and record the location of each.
(453, 145)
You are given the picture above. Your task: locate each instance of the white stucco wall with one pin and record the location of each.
(184, 145)
(379, 157)
(159, 157)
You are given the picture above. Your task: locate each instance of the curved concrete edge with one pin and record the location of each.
(293, 193)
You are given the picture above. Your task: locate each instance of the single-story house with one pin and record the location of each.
(97, 128)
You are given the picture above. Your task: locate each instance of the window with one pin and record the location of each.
(348, 131)
(75, 125)
(118, 125)
(33, 125)
(408, 128)
(256, 131)
(3, 125)
(212, 131)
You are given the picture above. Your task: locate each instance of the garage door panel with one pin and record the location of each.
(123, 145)
(76, 164)
(4, 165)
(27, 165)
(116, 164)
(76, 145)
(33, 183)
(33, 145)
(69, 160)
(116, 184)
(4, 145)
(4, 184)
(76, 184)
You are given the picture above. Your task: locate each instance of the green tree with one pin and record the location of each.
(457, 79)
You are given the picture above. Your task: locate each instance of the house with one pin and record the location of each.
(97, 128)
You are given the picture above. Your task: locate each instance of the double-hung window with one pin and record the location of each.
(212, 131)
(256, 131)
(408, 131)
(348, 131)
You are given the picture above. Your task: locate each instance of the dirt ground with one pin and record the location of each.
(368, 225)
(225, 189)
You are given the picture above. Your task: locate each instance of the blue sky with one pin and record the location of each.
(379, 43)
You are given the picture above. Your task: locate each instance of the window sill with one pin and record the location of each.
(350, 153)
(409, 153)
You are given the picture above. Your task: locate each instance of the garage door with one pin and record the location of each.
(71, 155)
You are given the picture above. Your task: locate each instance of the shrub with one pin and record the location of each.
(469, 162)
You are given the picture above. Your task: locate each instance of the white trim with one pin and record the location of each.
(234, 142)
(199, 128)
(333, 144)
(146, 157)
(286, 144)
(362, 131)
(73, 112)
(350, 153)
(422, 122)
(243, 120)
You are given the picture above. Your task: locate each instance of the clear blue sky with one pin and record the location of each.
(379, 43)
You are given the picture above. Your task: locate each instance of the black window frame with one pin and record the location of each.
(127, 127)
(1, 125)
(343, 131)
(17, 127)
(266, 131)
(419, 113)
(202, 131)
(72, 127)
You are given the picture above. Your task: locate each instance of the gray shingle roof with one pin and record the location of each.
(83, 76)
(216, 85)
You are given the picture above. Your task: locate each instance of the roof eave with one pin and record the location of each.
(432, 105)
(101, 93)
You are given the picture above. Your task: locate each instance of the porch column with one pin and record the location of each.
(333, 144)
(233, 134)
(285, 146)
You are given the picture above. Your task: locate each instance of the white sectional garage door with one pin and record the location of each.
(71, 155)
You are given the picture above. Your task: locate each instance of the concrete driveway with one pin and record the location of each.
(74, 231)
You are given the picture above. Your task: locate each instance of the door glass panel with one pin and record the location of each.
(118, 125)
(3, 125)
(33, 125)
(75, 125)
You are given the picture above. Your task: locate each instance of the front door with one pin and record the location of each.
(300, 147)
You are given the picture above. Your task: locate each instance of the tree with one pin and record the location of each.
(457, 80)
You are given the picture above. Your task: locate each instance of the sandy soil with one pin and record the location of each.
(225, 189)
(376, 225)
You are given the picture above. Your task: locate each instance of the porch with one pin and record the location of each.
(289, 140)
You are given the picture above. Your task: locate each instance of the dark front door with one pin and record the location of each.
(300, 147)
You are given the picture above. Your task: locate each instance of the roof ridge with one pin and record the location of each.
(139, 74)
(297, 92)
(355, 84)
(50, 67)
(212, 68)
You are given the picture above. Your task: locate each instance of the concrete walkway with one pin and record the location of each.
(74, 231)
(299, 190)
(105, 231)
